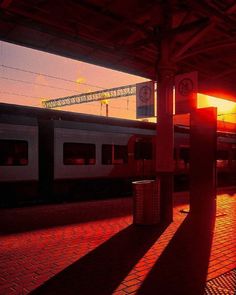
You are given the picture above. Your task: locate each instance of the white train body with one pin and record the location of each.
(29, 135)
(99, 136)
(48, 155)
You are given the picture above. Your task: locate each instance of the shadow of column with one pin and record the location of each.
(103, 269)
(17, 220)
(182, 267)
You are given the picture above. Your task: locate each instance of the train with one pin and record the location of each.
(57, 156)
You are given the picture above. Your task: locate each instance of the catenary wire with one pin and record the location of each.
(50, 76)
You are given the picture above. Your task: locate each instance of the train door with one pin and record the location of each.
(144, 157)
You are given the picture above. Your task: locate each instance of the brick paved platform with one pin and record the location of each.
(93, 248)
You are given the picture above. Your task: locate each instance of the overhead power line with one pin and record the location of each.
(50, 76)
(19, 94)
(224, 114)
(38, 84)
(28, 96)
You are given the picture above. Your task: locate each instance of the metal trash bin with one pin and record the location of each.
(146, 202)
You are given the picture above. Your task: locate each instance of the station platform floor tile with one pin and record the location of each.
(94, 248)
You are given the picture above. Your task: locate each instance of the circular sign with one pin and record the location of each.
(185, 86)
(145, 93)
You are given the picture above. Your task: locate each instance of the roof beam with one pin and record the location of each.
(231, 9)
(5, 4)
(222, 44)
(192, 40)
(203, 7)
(121, 20)
(224, 73)
(189, 26)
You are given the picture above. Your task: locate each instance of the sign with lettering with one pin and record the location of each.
(186, 88)
(145, 99)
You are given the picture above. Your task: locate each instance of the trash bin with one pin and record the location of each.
(146, 202)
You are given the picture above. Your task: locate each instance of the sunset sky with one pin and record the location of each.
(27, 76)
(34, 67)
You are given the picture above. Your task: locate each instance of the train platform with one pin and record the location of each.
(93, 248)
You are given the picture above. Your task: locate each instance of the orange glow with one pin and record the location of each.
(104, 101)
(156, 250)
(226, 109)
(220, 94)
(80, 80)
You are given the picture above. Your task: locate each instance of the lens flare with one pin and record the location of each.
(226, 109)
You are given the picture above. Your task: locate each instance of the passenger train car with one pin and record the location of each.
(49, 156)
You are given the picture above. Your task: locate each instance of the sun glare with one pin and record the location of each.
(226, 109)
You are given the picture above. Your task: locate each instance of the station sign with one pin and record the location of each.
(145, 100)
(186, 88)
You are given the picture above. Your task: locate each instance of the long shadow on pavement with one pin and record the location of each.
(182, 267)
(16, 220)
(103, 269)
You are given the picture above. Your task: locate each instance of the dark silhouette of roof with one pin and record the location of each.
(126, 35)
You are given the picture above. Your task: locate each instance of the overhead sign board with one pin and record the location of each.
(186, 88)
(145, 100)
(116, 92)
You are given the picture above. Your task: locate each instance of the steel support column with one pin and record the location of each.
(165, 141)
(203, 143)
(165, 129)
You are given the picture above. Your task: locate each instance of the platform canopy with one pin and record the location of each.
(126, 34)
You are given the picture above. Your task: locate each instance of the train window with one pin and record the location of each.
(13, 152)
(222, 155)
(234, 154)
(184, 154)
(75, 153)
(175, 154)
(233, 157)
(143, 150)
(114, 154)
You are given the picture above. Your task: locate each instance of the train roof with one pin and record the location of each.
(49, 114)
